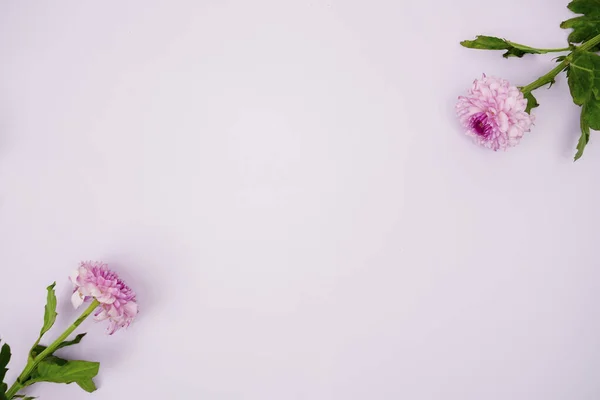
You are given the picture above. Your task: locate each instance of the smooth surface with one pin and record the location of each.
(286, 187)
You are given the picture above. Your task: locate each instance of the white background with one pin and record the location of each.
(286, 187)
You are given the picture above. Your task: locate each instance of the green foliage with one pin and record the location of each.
(50, 310)
(55, 369)
(4, 360)
(531, 102)
(37, 349)
(87, 384)
(585, 26)
(71, 342)
(58, 370)
(49, 318)
(584, 84)
(493, 43)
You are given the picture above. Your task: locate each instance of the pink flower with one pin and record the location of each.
(494, 114)
(117, 300)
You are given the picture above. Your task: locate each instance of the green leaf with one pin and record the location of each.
(4, 360)
(584, 138)
(585, 26)
(485, 43)
(531, 102)
(87, 384)
(584, 84)
(493, 43)
(58, 370)
(20, 396)
(37, 349)
(560, 59)
(71, 342)
(581, 78)
(50, 311)
(70, 371)
(49, 319)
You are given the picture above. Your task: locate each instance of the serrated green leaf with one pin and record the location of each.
(585, 26)
(582, 76)
(531, 102)
(493, 43)
(592, 114)
(584, 84)
(50, 310)
(485, 43)
(4, 360)
(58, 370)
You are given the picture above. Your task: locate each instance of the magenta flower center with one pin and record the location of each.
(481, 125)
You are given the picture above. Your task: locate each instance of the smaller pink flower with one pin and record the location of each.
(493, 113)
(117, 301)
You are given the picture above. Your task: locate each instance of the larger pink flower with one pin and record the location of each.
(493, 113)
(117, 300)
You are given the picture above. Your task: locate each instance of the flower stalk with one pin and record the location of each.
(107, 297)
(32, 364)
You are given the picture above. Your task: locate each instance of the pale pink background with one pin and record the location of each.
(286, 186)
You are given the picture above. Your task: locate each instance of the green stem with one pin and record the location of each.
(543, 51)
(32, 364)
(563, 50)
(593, 42)
(549, 77)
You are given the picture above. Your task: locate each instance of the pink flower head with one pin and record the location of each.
(117, 300)
(493, 113)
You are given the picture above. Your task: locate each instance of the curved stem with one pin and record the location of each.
(20, 382)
